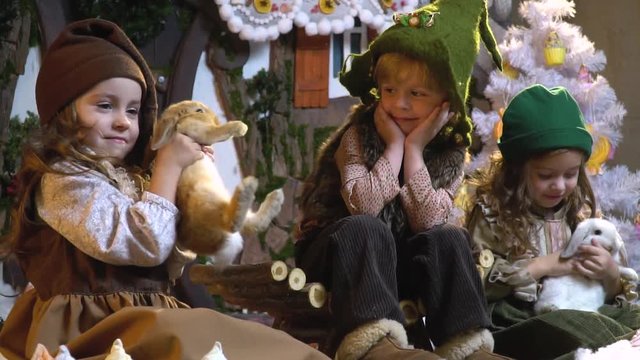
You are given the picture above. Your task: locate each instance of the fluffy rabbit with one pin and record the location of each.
(209, 215)
(578, 292)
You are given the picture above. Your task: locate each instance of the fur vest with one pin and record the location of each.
(321, 202)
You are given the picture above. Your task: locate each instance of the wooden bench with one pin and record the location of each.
(299, 308)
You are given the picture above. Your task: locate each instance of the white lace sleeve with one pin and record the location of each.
(106, 224)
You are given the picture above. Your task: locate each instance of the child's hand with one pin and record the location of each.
(595, 262)
(180, 152)
(389, 131)
(429, 128)
(208, 152)
(551, 265)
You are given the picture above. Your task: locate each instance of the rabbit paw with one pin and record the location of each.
(237, 128)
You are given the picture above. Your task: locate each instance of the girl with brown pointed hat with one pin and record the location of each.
(97, 241)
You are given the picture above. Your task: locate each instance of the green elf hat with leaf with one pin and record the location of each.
(446, 35)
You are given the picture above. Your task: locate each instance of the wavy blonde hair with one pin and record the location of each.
(55, 142)
(395, 65)
(503, 188)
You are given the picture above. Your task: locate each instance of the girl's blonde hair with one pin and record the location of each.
(57, 141)
(503, 187)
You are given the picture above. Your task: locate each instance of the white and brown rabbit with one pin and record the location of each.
(210, 217)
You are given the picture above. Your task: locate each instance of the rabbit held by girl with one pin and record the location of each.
(576, 291)
(210, 215)
(98, 240)
(527, 205)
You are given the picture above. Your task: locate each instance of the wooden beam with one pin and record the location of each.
(186, 64)
(52, 18)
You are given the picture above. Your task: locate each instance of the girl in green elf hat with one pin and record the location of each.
(526, 206)
(375, 208)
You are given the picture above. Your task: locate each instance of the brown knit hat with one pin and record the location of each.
(85, 53)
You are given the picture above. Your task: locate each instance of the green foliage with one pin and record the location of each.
(185, 13)
(11, 10)
(258, 109)
(225, 40)
(9, 13)
(287, 251)
(273, 182)
(298, 132)
(34, 33)
(6, 72)
(17, 133)
(236, 104)
(141, 20)
(264, 89)
(288, 78)
(235, 75)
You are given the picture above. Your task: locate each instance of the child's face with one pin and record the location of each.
(553, 177)
(409, 101)
(108, 115)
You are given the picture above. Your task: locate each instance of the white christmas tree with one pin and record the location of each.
(553, 52)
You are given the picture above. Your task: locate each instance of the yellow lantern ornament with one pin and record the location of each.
(327, 7)
(554, 50)
(262, 6)
(599, 154)
(497, 128)
(386, 3)
(509, 71)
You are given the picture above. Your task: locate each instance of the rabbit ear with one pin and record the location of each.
(621, 257)
(576, 240)
(164, 128)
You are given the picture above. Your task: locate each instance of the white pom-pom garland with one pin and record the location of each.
(311, 29)
(324, 27)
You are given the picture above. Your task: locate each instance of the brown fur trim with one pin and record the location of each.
(321, 201)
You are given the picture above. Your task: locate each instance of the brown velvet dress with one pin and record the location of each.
(86, 304)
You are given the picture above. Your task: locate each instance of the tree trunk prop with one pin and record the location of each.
(299, 308)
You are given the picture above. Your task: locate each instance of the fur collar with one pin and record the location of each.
(321, 202)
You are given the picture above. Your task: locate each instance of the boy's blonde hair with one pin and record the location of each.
(402, 67)
(398, 66)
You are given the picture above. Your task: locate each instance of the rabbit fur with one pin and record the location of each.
(578, 292)
(210, 217)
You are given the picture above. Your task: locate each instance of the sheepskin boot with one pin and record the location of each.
(380, 340)
(472, 345)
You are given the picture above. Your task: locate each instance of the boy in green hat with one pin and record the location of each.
(527, 205)
(374, 209)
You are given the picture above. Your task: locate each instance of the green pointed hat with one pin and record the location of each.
(446, 35)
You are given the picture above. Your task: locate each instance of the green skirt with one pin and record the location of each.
(521, 334)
